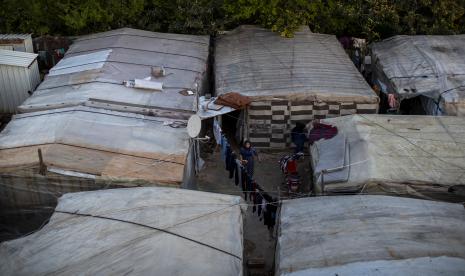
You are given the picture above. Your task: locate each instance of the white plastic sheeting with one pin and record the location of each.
(97, 129)
(421, 156)
(261, 64)
(137, 231)
(97, 142)
(370, 235)
(133, 54)
(432, 66)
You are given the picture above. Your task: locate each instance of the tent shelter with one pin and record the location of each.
(85, 148)
(95, 67)
(370, 235)
(289, 80)
(138, 231)
(419, 156)
(428, 68)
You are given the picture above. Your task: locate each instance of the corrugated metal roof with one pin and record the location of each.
(14, 36)
(16, 58)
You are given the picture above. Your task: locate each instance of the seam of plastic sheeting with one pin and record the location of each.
(80, 63)
(71, 173)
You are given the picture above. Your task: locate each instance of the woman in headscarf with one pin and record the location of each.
(248, 153)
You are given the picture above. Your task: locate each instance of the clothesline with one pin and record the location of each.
(263, 203)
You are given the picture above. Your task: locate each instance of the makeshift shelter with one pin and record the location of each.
(139, 231)
(85, 148)
(19, 76)
(370, 235)
(288, 80)
(128, 70)
(428, 68)
(419, 156)
(16, 42)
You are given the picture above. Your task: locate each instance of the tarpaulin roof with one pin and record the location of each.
(370, 235)
(421, 156)
(259, 63)
(95, 67)
(139, 231)
(432, 66)
(101, 143)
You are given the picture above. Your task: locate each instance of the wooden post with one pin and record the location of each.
(42, 166)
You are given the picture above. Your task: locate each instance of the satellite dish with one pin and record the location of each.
(194, 125)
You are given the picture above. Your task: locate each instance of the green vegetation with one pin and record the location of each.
(372, 19)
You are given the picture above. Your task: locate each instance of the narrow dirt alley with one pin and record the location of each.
(259, 246)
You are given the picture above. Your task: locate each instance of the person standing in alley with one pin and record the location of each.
(248, 154)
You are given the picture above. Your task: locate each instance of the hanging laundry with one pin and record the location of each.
(231, 166)
(269, 217)
(238, 172)
(227, 159)
(321, 131)
(217, 131)
(257, 201)
(392, 100)
(224, 147)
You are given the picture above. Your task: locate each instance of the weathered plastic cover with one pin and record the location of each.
(137, 231)
(370, 235)
(261, 64)
(420, 156)
(432, 66)
(103, 61)
(96, 142)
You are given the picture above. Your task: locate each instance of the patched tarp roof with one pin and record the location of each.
(102, 143)
(139, 231)
(419, 156)
(370, 235)
(95, 66)
(433, 66)
(259, 63)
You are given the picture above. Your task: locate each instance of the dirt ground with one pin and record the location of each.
(259, 247)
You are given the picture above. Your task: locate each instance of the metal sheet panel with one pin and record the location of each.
(17, 42)
(15, 83)
(80, 63)
(16, 58)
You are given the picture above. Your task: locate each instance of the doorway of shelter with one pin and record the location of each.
(231, 126)
(412, 106)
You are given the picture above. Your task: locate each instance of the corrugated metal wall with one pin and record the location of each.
(6, 47)
(10, 42)
(15, 82)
